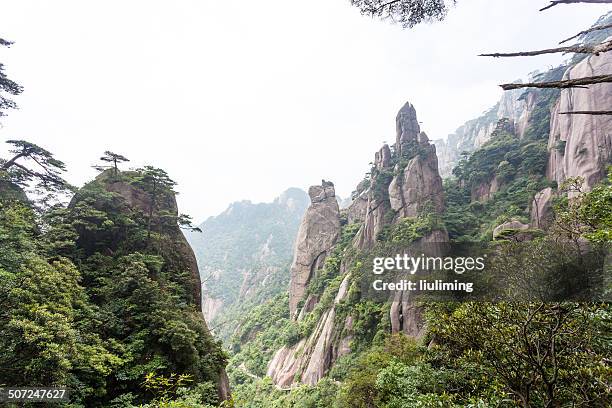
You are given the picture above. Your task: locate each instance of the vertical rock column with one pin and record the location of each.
(318, 233)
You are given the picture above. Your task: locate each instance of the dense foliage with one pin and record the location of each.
(514, 166)
(100, 295)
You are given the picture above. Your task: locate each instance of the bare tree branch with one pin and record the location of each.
(382, 6)
(590, 30)
(569, 83)
(556, 2)
(579, 49)
(586, 113)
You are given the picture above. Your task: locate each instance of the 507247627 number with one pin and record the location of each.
(33, 394)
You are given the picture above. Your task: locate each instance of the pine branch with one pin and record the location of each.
(569, 83)
(590, 30)
(556, 2)
(578, 49)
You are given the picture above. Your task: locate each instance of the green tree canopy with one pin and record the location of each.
(31, 165)
(115, 159)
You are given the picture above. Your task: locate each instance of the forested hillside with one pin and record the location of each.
(101, 295)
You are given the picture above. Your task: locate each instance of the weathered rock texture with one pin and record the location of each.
(407, 126)
(356, 212)
(211, 308)
(377, 201)
(405, 182)
(310, 358)
(319, 231)
(419, 185)
(407, 188)
(581, 145)
(541, 208)
(484, 191)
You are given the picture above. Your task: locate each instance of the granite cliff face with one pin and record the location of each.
(319, 231)
(578, 144)
(404, 183)
(308, 360)
(418, 184)
(541, 208)
(377, 202)
(581, 145)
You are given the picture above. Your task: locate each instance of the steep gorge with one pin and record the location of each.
(244, 255)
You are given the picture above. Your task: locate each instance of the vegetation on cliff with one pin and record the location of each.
(473, 355)
(100, 295)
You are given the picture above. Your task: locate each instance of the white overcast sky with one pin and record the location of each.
(241, 99)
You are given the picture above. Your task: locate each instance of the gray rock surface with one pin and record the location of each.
(513, 225)
(581, 145)
(373, 223)
(311, 358)
(484, 191)
(319, 231)
(407, 126)
(391, 194)
(377, 203)
(419, 184)
(356, 212)
(541, 208)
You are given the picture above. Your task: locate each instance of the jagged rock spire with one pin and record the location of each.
(407, 125)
